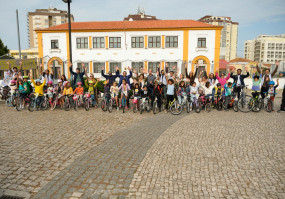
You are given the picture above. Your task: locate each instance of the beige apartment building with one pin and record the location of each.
(229, 35)
(30, 53)
(44, 18)
(265, 49)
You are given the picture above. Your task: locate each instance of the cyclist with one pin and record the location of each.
(79, 91)
(107, 90)
(157, 93)
(137, 92)
(39, 89)
(23, 94)
(181, 92)
(115, 92)
(228, 93)
(239, 80)
(170, 93)
(50, 90)
(91, 89)
(110, 76)
(272, 91)
(78, 76)
(256, 86)
(124, 88)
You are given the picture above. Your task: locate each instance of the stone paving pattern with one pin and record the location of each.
(206, 155)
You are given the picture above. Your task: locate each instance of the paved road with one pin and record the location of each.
(102, 155)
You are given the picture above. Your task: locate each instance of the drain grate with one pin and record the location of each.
(11, 197)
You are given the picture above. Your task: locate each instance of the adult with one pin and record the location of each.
(61, 77)
(15, 70)
(212, 78)
(110, 76)
(191, 75)
(150, 84)
(94, 80)
(126, 77)
(46, 74)
(223, 80)
(202, 80)
(239, 80)
(266, 78)
(78, 76)
(162, 80)
(142, 80)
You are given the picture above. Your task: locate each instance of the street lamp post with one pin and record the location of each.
(69, 29)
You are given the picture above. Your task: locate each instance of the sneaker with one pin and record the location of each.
(280, 111)
(117, 108)
(165, 111)
(126, 108)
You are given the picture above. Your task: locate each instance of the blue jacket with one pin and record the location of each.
(75, 76)
(227, 89)
(235, 77)
(127, 78)
(111, 78)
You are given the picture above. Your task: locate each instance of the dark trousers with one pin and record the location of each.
(263, 89)
(39, 100)
(228, 98)
(282, 107)
(237, 91)
(169, 98)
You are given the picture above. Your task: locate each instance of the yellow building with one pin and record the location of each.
(26, 54)
(241, 63)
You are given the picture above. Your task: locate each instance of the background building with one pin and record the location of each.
(137, 44)
(265, 48)
(139, 16)
(44, 18)
(26, 54)
(229, 35)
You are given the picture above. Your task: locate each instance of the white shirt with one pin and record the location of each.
(163, 80)
(238, 81)
(49, 78)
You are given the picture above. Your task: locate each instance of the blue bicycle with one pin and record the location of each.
(124, 100)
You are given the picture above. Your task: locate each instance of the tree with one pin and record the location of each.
(3, 49)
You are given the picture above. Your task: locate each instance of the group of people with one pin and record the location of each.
(143, 85)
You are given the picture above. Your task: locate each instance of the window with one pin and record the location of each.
(98, 42)
(54, 44)
(82, 42)
(154, 42)
(169, 66)
(97, 66)
(137, 66)
(201, 43)
(137, 42)
(171, 42)
(46, 21)
(153, 66)
(86, 64)
(113, 66)
(115, 42)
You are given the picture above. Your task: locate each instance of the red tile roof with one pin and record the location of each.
(240, 60)
(223, 64)
(121, 25)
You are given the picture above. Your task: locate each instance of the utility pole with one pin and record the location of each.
(19, 42)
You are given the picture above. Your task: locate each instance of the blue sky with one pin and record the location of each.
(255, 17)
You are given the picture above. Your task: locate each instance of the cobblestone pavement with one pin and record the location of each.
(217, 154)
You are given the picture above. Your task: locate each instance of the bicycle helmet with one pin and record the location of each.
(135, 101)
(105, 82)
(271, 83)
(13, 82)
(25, 77)
(79, 83)
(90, 82)
(219, 84)
(50, 82)
(38, 81)
(59, 81)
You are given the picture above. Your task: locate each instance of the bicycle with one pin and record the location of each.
(245, 103)
(135, 104)
(218, 102)
(176, 109)
(77, 101)
(9, 101)
(144, 105)
(5, 91)
(56, 101)
(87, 101)
(112, 102)
(205, 102)
(268, 103)
(124, 100)
(105, 103)
(155, 105)
(196, 104)
(67, 102)
(45, 104)
(256, 101)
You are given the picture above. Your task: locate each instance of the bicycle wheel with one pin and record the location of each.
(87, 104)
(75, 105)
(43, 105)
(110, 107)
(18, 103)
(141, 109)
(197, 107)
(175, 108)
(235, 106)
(54, 105)
(269, 106)
(14, 100)
(220, 105)
(103, 105)
(135, 108)
(245, 104)
(208, 107)
(9, 101)
(154, 107)
(188, 107)
(32, 105)
(66, 105)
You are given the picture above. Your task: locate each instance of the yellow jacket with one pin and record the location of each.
(39, 89)
(68, 91)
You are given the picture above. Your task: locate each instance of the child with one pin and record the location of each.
(272, 90)
(145, 93)
(115, 92)
(157, 93)
(39, 90)
(228, 93)
(27, 85)
(181, 91)
(137, 93)
(256, 85)
(22, 90)
(13, 87)
(59, 91)
(124, 88)
(67, 89)
(170, 93)
(193, 91)
(218, 91)
(91, 89)
(79, 91)
(50, 91)
(107, 90)
(208, 89)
